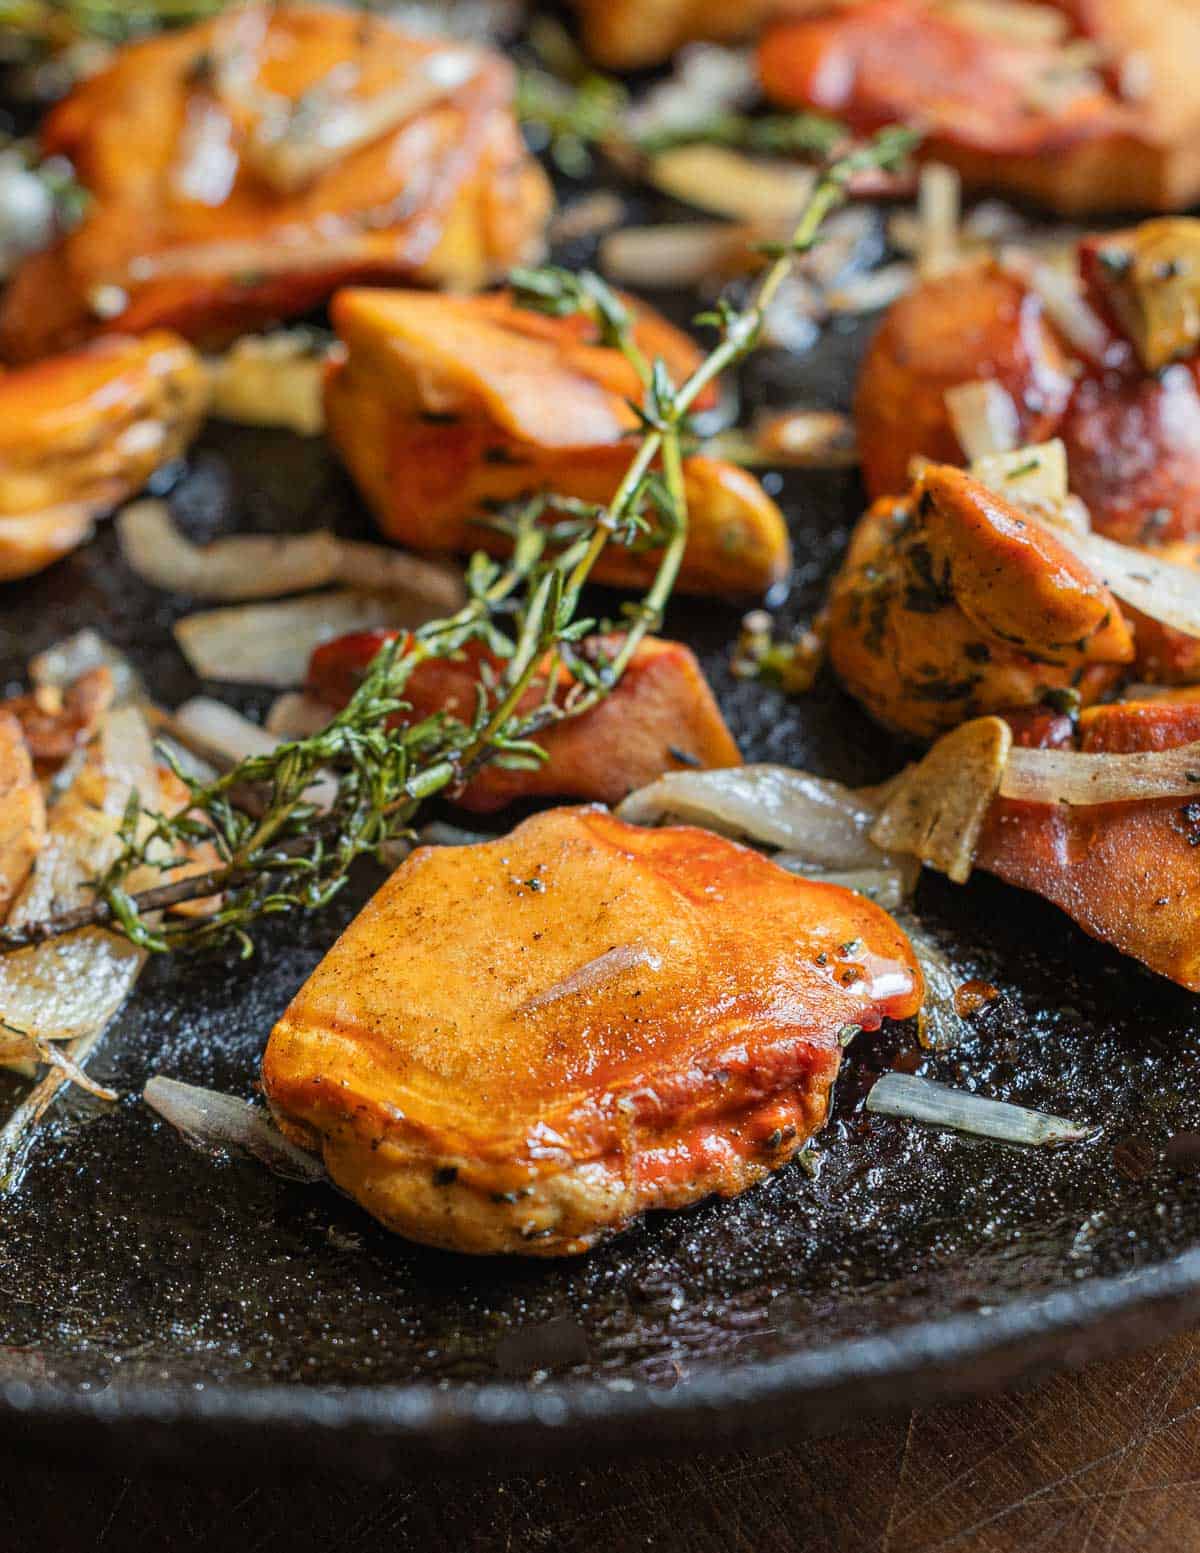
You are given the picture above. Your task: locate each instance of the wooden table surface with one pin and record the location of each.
(1104, 1461)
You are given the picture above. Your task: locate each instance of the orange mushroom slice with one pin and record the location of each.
(447, 407)
(587, 1020)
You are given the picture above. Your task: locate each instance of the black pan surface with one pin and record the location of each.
(157, 1302)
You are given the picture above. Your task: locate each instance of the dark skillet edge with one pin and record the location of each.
(379, 1433)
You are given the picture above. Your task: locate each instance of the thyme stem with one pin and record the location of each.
(287, 856)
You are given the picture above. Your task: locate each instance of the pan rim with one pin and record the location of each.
(376, 1429)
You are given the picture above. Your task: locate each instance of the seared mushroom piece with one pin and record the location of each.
(239, 170)
(1085, 108)
(1128, 873)
(588, 1020)
(660, 716)
(953, 603)
(1075, 366)
(446, 407)
(81, 432)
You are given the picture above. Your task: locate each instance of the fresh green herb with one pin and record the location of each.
(773, 134)
(571, 111)
(791, 664)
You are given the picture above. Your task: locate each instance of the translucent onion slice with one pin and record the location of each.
(1068, 777)
(1063, 301)
(264, 566)
(244, 566)
(820, 823)
(683, 253)
(295, 715)
(270, 644)
(435, 588)
(730, 183)
(1035, 479)
(585, 979)
(587, 216)
(70, 987)
(985, 418)
(219, 734)
(796, 439)
(209, 1120)
(921, 1100)
(289, 161)
(438, 833)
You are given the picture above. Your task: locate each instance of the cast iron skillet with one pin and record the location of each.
(157, 1302)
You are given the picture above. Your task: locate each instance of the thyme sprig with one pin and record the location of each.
(767, 134)
(283, 853)
(573, 119)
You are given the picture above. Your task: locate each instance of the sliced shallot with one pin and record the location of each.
(940, 1024)
(730, 183)
(1160, 589)
(887, 887)
(819, 822)
(70, 987)
(210, 1120)
(985, 418)
(265, 566)
(220, 734)
(270, 644)
(922, 1100)
(939, 208)
(1035, 479)
(295, 715)
(1071, 777)
(244, 566)
(682, 253)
